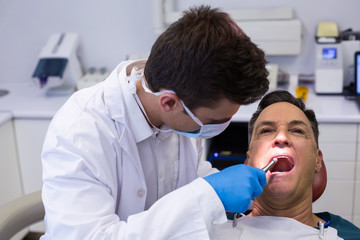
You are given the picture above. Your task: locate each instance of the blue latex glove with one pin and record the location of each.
(237, 185)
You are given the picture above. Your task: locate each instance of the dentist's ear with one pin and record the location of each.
(168, 101)
(318, 163)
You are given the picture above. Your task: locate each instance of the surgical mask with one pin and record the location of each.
(205, 131)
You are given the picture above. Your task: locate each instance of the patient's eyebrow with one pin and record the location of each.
(298, 122)
(273, 124)
(265, 123)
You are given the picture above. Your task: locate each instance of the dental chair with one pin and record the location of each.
(27, 210)
(319, 183)
(20, 214)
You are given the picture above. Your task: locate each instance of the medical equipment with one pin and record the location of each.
(357, 78)
(59, 67)
(350, 42)
(329, 69)
(357, 72)
(267, 167)
(92, 77)
(329, 73)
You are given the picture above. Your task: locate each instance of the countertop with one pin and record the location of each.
(328, 109)
(26, 100)
(4, 117)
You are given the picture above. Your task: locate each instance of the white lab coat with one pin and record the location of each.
(94, 185)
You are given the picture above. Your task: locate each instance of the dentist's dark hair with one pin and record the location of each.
(284, 96)
(204, 57)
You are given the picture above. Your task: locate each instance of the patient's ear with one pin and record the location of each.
(247, 158)
(319, 159)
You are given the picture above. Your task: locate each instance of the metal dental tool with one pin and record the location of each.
(267, 167)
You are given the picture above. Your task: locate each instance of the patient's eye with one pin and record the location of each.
(265, 130)
(298, 131)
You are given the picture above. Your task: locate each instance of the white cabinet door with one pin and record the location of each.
(357, 190)
(338, 143)
(30, 135)
(10, 180)
(357, 203)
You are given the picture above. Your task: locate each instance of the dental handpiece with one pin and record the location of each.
(267, 167)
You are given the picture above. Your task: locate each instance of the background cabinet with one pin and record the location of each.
(30, 135)
(10, 180)
(357, 187)
(338, 143)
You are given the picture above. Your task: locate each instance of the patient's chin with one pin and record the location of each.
(278, 191)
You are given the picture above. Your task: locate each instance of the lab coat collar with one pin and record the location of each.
(134, 118)
(134, 69)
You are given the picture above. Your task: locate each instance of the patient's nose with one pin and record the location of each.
(282, 139)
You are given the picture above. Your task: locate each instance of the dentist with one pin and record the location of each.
(121, 159)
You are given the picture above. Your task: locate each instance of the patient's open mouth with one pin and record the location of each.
(283, 164)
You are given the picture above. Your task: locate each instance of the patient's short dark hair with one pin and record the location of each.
(285, 96)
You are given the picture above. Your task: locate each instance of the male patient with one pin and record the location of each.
(283, 128)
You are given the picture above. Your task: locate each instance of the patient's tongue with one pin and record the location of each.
(282, 165)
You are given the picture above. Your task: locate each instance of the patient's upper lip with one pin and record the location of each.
(289, 158)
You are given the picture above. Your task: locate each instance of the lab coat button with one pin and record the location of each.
(141, 193)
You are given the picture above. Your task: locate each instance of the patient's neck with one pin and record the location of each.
(298, 209)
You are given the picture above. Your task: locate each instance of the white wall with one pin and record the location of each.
(344, 12)
(111, 29)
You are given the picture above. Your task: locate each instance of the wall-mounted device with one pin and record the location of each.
(59, 67)
(329, 73)
(92, 77)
